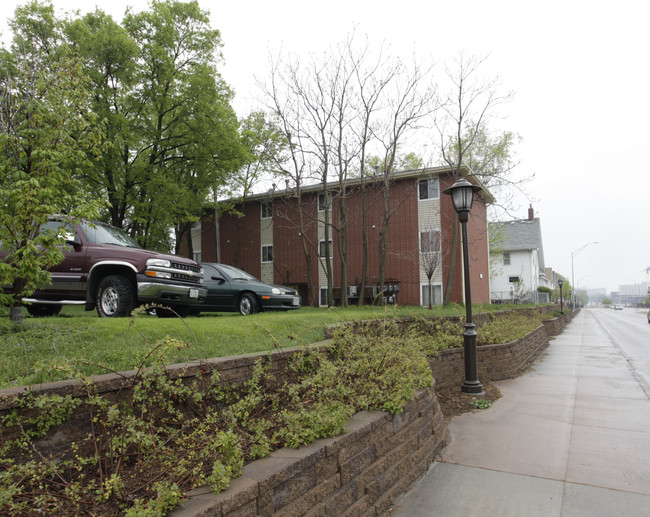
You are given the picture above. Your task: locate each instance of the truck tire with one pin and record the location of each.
(115, 297)
(248, 304)
(42, 310)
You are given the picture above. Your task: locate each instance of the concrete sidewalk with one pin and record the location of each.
(571, 437)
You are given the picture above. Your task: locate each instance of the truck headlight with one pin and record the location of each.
(158, 262)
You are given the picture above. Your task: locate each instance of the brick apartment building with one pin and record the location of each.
(267, 241)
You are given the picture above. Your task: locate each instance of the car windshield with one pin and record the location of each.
(236, 274)
(99, 233)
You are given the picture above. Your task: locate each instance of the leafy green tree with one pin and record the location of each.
(110, 55)
(46, 134)
(173, 133)
(265, 146)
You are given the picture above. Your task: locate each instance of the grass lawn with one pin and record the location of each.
(99, 345)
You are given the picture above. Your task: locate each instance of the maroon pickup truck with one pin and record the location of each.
(105, 268)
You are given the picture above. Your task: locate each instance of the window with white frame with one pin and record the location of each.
(267, 209)
(267, 253)
(429, 189)
(324, 203)
(506, 259)
(430, 241)
(513, 279)
(325, 249)
(434, 291)
(323, 297)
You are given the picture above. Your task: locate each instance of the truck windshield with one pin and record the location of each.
(98, 233)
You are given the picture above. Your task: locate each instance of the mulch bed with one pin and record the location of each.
(454, 403)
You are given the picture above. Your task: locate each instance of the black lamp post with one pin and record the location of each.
(462, 196)
(561, 283)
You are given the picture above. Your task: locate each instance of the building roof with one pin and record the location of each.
(464, 172)
(523, 235)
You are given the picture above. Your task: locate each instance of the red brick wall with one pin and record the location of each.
(402, 262)
(290, 265)
(479, 252)
(478, 247)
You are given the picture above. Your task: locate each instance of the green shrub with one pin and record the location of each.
(509, 327)
(145, 453)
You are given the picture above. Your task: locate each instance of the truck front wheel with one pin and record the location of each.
(115, 297)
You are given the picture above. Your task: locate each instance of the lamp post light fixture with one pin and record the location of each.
(561, 283)
(573, 285)
(462, 197)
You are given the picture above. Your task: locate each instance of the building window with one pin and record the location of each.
(436, 293)
(506, 259)
(430, 241)
(325, 249)
(267, 209)
(267, 253)
(322, 204)
(429, 188)
(323, 297)
(513, 279)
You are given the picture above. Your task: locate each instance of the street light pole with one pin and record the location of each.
(573, 285)
(462, 197)
(561, 283)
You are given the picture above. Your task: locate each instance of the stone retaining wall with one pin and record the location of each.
(357, 474)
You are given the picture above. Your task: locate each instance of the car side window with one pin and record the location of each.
(52, 227)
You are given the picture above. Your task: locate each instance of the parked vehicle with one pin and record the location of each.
(232, 290)
(104, 268)
(648, 316)
(618, 307)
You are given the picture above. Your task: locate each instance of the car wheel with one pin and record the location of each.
(248, 304)
(115, 297)
(42, 310)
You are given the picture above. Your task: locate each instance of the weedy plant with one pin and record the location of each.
(142, 453)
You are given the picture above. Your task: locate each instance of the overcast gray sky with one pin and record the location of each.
(581, 77)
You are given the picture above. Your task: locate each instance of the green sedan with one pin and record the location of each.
(232, 290)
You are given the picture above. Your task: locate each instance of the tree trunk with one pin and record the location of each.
(452, 266)
(343, 250)
(16, 314)
(364, 244)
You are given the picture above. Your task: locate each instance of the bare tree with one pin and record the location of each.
(430, 257)
(333, 108)
(408, 104)
(297, 164)
(464, 114)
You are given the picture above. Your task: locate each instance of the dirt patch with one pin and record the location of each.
(453, 402)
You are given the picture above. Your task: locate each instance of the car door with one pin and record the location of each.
(220, 292)
(68, 279)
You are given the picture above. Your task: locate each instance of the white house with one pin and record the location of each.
(518, 267)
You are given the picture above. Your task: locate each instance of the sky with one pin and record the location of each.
(579, 71)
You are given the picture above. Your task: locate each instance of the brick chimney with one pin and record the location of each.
(531, 213)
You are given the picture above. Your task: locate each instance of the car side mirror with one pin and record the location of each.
(218, 278)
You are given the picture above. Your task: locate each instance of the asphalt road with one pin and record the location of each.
(629, 331)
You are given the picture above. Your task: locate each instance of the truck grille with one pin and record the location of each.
(186, 267)
(195, 278)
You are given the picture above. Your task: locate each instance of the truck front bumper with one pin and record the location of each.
(171, 294)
